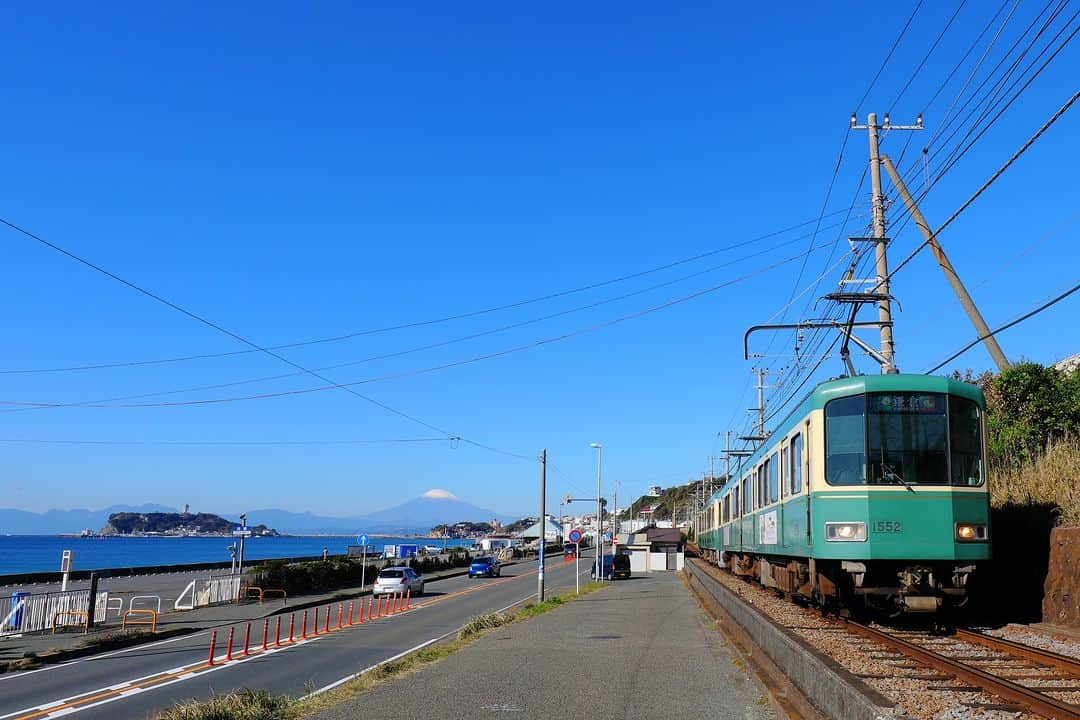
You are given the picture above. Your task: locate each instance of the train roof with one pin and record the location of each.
(846, 386)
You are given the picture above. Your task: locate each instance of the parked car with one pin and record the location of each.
(616, 567)
(486, 566)
(398, 580)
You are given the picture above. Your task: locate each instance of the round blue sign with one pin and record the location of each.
(361, 539)
(574, 536)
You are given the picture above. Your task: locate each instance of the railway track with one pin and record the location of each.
(1011, 676)
(988, 671)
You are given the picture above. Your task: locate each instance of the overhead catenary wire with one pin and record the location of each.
(444, 366)
(430, 321)
(1000, 171)
(440, 344)
(221, 329)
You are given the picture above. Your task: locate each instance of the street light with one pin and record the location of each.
(599, 516)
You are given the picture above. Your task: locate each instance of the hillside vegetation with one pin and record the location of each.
(1033, 437)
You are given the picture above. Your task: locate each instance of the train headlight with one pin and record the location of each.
(845, 531)
(971, 532)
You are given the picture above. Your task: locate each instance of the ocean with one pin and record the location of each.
(41, 553)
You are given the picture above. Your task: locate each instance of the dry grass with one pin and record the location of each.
(1052, 479)
(239, 705)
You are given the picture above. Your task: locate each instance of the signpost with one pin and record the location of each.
(575, 537)
(362, 540)
(65, 567)
(241, 531)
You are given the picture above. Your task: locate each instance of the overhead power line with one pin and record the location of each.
(421, 323)
(1006, 326)
(431, 346)
(204, 321)
(259, 443)
(1000, 171)
(444, 366)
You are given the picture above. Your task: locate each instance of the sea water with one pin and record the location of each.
(41, 553)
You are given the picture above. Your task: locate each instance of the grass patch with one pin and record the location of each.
(1050, 479)
(239, 705)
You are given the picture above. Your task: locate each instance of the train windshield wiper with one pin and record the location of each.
(889, 474)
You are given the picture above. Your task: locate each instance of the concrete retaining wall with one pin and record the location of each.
(833, 690)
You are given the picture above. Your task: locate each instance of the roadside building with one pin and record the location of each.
(653, 550)
(553, 531)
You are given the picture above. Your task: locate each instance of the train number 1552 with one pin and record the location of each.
(887, 526)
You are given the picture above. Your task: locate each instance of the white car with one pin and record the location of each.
(398, 580)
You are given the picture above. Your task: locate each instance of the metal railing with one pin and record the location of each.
(212, 590)
(36, 612)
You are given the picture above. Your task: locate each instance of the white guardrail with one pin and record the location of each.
(212, 590)
(34, 612)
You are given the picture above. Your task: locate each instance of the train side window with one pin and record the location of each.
(761, 497)
(784, 471)
(965, 442)
(845, 441)
(746, 498)
(774, 484)
(795, 467)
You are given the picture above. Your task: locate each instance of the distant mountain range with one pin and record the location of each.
(56, 522)
(418, 515)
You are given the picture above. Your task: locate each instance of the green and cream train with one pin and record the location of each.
(872, 490)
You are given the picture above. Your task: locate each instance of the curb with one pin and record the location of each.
(832, 690)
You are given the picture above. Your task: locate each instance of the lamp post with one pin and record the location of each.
(599, 513)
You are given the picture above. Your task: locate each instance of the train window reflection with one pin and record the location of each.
(965, 442)
(907, 439)
(845, 441)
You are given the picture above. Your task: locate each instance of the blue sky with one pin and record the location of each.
(297, 173)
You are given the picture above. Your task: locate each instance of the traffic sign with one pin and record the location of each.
(361, 539)
(574, 536)
(242, 531)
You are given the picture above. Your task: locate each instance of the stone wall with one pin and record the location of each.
(1061, 592)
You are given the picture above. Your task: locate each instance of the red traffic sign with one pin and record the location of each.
(574, 536)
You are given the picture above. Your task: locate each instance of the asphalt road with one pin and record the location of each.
(137, 682)
(639, 649)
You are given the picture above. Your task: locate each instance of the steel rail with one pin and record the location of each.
(1031, 699)
(1043, 657)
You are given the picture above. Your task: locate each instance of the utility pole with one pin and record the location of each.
(543, 527)
(888, 350)
(976, 318)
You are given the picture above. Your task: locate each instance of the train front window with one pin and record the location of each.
(845, 441)
(965, 442)
(907, 438)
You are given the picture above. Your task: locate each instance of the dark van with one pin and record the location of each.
(620, 567)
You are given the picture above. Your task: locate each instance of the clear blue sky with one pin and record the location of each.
(296, 173)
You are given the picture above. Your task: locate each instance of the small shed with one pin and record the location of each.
(653, 550)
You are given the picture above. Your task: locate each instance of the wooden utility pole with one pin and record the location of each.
(981, 328)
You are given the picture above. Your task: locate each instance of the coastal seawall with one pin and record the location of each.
(32, 578)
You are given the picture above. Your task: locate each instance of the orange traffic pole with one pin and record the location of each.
(213, 642)
(292, 624)
(277, 633)
(228, 648)
(327, 628)
(247, 638)
(315, 625)
(303, 627)
(349, 624)
(340, 611)
(266, 633)
(370, 600)
(408, 598)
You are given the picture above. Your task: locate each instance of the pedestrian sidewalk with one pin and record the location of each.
(640, 648)
(70, 642)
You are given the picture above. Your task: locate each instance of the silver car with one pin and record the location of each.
(398, 580)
